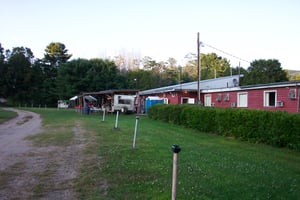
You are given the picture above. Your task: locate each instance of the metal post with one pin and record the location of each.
(176, 149)
(135, 130)
(117, 118)
(103, 117)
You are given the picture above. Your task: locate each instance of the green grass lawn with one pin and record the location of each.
(209, 166)
(6, 115)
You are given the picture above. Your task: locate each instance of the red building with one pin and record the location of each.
(186, 93)
(225, 92)
(283, 96)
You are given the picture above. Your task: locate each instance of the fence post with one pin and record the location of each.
(176, 149)
(135, 130)
(103, 116)
(117, 118)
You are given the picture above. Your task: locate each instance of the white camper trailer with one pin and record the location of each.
(123, 103)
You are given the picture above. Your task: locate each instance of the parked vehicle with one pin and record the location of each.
(123, 103)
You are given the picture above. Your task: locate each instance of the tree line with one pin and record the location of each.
(42, 81)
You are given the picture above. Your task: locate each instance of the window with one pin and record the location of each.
(226, 97)
(242, 99)
(184, 100)
(270, 98)
(292, 94)
(219, 97)
(125, 101)
(187, 100)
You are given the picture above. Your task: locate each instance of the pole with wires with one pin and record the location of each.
(198, 68)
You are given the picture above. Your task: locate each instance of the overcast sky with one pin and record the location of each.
(256, 29)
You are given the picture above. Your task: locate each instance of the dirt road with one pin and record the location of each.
(12, 133)
(33, 172)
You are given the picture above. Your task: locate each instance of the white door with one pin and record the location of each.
(242, 99)
(207, 100)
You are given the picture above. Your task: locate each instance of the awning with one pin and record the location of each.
(73, 98)
(90, 98)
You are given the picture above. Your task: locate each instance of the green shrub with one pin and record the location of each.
(279, 129)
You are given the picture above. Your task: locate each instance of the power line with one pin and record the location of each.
(225, 52)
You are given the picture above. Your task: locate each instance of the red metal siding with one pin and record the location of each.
(175, 97)
(223, 103)
(256, 99)
(171, 96)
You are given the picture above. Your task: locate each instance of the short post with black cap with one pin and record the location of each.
(176, 149)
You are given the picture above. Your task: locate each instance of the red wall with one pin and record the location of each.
(256, 99)
(175, 97)
(222, 103)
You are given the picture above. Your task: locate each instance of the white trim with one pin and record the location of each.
(249, 88)
(266, 104)
(189, 100)
(207, 104)
(238, 99)
(221, 90)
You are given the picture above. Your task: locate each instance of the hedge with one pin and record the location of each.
(277, 128)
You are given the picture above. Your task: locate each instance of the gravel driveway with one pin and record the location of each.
(35, 172)
(12, 133)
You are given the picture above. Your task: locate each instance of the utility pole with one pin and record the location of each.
(199, 68)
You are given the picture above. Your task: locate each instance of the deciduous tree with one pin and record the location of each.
(264, 71)
(212, 66)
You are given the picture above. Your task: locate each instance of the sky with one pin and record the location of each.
(237, 30)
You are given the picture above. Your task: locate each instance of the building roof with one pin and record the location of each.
(254, 87)
(270, 85)
(112, 92)
(222, 82)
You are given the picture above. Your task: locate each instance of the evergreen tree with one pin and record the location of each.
(264, 71)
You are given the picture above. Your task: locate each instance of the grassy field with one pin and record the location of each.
(209, 166)
(5, 115)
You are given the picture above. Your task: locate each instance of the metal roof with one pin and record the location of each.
(116, 91)
(222, 82)
(268, 85)
(254, 87)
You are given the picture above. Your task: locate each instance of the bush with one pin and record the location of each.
(279, 129)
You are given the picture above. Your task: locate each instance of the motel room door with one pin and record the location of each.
(207, 100)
